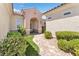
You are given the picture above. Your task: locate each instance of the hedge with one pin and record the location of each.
(69, 46)
(68, 41)
(68, 35)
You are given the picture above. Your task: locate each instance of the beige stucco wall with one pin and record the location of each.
(61, 22)
(64, 24)
(13, 22)
(5, 14)
(59, 12)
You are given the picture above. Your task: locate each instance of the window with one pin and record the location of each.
(67, 13)
(19, 22)
(49, 17)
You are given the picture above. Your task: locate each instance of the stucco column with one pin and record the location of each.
(27, 25)
(39, 27)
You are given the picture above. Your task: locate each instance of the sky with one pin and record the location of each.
(42, 7)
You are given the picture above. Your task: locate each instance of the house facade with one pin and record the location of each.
(63, 18)
(30, 18)
(63, 11)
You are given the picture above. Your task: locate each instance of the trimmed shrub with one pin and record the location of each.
(13, 46)
(48, 35)
(63, 45)
(21, 29)
(68, 35)
(15, 34)
(76, 52)
(68, 41)
(69, 46)
(75, 46)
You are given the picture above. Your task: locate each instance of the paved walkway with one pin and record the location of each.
(48, 47)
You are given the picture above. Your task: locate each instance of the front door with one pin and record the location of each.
(33, 26)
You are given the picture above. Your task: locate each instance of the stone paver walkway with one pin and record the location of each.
(48, 47)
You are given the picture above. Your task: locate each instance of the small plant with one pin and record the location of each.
(48, 35)
(10, 34)
(21, 29)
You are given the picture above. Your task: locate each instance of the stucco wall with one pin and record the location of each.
(4, 20)
(13, 21)
(28, 15)
(72, 8)
(64, 24)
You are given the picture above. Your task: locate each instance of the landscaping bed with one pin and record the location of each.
(68, 41)
(18, 44)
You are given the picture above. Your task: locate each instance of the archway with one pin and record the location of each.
(34, 25)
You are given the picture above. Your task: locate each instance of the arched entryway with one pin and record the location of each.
(32, 21)
(34, 25)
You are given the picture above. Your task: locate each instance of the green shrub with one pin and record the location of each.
(69, 46)
(13, 46)
(68, 35)
(48, 35)
(68, 41)
(15, 34)
(21, 29)
(76, 52)
(74, 43)
(75, 46)
(63, 45)
(18, 45)
(32, 49)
